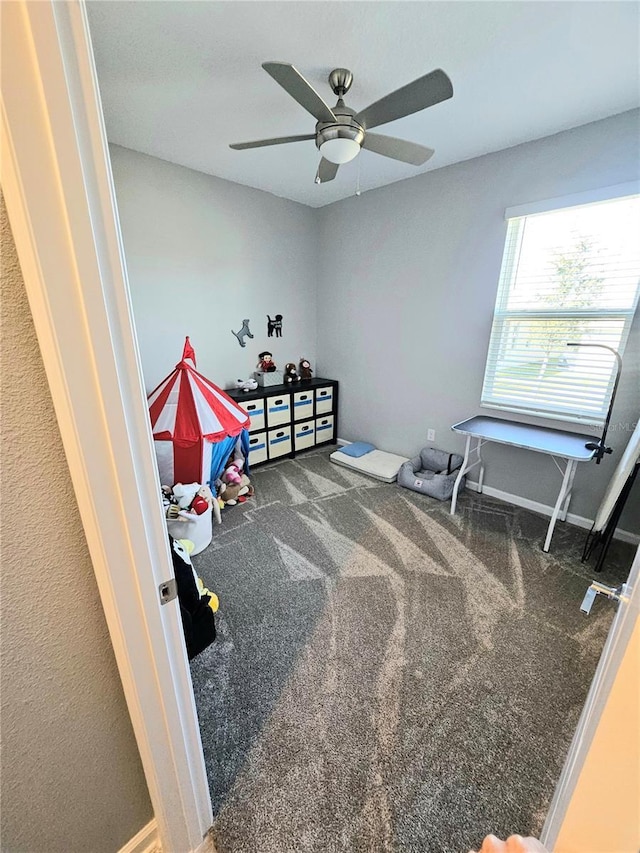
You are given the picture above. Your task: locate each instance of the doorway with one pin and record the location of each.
(151, 500)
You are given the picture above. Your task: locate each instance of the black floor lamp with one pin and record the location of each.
(600, 446)
(604, 537)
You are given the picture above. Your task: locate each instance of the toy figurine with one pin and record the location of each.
(290, 373)
(266, 363)
(305, 369)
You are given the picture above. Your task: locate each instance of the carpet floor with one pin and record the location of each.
(387, 677)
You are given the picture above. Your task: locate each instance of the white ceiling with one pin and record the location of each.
(181, 80)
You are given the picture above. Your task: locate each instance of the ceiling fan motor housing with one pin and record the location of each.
(346, 127)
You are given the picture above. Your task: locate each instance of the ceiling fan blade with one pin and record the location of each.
(294, 83)
(326, 171)
(398, 149)
(422, 93)
(280, 140)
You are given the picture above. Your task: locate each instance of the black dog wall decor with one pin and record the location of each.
(274, 326)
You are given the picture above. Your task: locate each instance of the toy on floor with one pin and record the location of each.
(197, 603)
(232, 474)
(234, 493)
(305, 369)
(234, 486)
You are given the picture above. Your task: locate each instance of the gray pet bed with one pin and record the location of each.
(433, 472)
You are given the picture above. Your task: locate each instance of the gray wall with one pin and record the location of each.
(203, 254)
(397, 285)
(71, 779)
(405, 315)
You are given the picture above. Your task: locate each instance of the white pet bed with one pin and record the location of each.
(377, 463)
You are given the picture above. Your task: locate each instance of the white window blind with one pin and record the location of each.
(568, 275)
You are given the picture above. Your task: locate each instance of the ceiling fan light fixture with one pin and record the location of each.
(340, 150)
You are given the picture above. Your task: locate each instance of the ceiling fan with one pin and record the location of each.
(341, 132)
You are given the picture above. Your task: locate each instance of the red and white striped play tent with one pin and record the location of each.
(195, 425)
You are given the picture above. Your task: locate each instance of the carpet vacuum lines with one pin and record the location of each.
(387, 679)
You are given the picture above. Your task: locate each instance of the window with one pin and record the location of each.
(569, 275)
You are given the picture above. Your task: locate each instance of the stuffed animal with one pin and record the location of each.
(233, 493)
(246, 384)
(172, 509)
(197, 603)
(290, 373)
(232, 473)
(305, 369)
(185, 493)
(199, 505)
(205, 493)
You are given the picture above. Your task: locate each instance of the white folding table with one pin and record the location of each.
(569, 446)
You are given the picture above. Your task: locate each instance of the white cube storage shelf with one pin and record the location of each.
(286, 419)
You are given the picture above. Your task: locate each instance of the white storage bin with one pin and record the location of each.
(278, 410)
(279, 441)
(255, 410)
(324, 429)
(199, 530)
(303, 405)
(304, 435)
(257, 448)
(324, 400)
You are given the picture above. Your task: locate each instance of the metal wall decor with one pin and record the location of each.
(243, 333)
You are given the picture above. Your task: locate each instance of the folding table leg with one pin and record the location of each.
(565, 507)
(564, 489)
(481, 475)
(463, 468)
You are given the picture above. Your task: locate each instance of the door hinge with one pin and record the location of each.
(168, 591)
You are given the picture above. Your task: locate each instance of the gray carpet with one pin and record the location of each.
(387, 677)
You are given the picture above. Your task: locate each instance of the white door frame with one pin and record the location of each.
(57, 183)
(56, 178)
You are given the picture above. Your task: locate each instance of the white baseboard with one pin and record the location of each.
(343, 441)
(543, 509)
(145, 841)
(148, 841)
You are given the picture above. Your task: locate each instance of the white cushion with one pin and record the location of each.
(378, 463)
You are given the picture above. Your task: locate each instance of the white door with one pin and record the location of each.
(596, 806)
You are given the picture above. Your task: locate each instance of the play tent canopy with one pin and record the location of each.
(195, 425)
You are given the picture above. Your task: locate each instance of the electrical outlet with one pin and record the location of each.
(431, 435)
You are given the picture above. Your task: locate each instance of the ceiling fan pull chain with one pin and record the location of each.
(358, 191)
